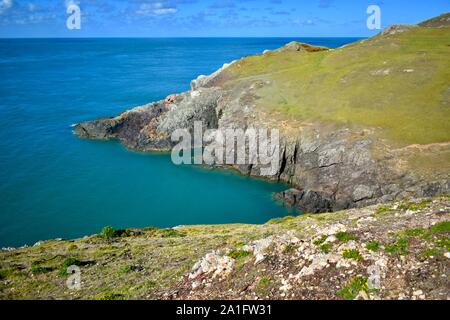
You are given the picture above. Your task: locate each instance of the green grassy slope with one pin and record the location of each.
(399, 83)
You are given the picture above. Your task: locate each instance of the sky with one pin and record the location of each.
(208, 18)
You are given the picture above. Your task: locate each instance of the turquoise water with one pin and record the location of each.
(55, 185)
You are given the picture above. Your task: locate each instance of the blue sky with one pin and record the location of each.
(208, 18)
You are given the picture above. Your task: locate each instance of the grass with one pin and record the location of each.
(438, 228)
(345, 236)
(351, 290)
(239, 244)
(239, 254)
(142, 266)
(373, 246)
(408, 106)
(281, 220)
(111, 296)
(443, 243)
(326, 247)
(352, 254)
(412, 232)
(400, 247)
(164, 233)
(431, 252)
(264, 282)
(321, 240)
(125, 269)
(415, 206)
(108, 233)
(4, 274)
(36, 268)
(383, 210)
(72, 247)
(67, 263)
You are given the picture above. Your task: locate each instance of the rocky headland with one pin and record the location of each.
(362, 124)
(364, 133)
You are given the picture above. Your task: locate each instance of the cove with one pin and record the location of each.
(54, 185)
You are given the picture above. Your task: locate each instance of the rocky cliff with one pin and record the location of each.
(361, 124)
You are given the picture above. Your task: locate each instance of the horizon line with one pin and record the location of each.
(193, 37)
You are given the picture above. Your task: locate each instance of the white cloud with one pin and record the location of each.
(71, 2)
(5, 5)
(31, 7)
(155, 9)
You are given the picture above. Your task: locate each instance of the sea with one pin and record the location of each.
(55, 185)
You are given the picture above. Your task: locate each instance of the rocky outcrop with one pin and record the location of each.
(441, 21)
(330, 166)
(398, 28)
(397, 250)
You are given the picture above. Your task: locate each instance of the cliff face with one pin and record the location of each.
(359, 125)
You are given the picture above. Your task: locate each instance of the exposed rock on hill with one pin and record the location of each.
(398, 250)
(442, 21)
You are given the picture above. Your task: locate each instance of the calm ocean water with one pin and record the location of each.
(55, 185)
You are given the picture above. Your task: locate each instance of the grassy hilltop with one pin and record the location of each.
(397, 81)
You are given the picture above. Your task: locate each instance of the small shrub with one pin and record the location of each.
(356, 285)
(72, 247)
(239, 244)
(352, 254)
(36, 268)
(412, 232)
(373, 246)
(431, 252)
(67, 263)
(326, 247)
(443, 243)
(239, 254)
(320, 241)
(171, 233)
(400, 247)
(383, 210)
(413, 206)
(3, 274)
(108, 233)
(125, 269)
(438, 228)
(111, 296)
(345, 237)
(289, 249)
(264, 282)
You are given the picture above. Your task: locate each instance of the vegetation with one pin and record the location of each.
(320, 241)
(108, 233)
(356, 285)
(373, 245)
(381, 82)
(66, 264)
(399, 247)
(345, 237)
(352, 254)
(144, 263)
(239, 254)
(439, 228)
(326, 247)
